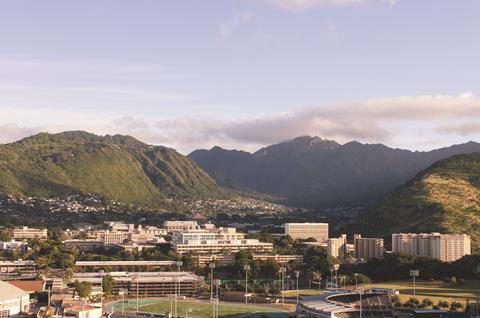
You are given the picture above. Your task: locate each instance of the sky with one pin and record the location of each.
(243, 73)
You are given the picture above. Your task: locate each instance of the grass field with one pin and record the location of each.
(201, 309)
(433, 290)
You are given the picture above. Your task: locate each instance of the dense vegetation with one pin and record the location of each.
(118, 168)
(445, 198)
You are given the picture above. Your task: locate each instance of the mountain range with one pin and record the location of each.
(314, 172)
(445, 197)
(118, 168)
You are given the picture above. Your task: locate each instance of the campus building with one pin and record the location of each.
(229, 259)
(13, 246)
(175, 226)
(336, 247)
(18, 269)
(147, 284)
(13, 300)
(444, 247)
(26, 233)
(318, 231)
(366, 248)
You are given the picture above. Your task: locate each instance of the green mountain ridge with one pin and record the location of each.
(445, 198)
(118, 168)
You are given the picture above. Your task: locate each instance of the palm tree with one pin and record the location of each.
(317, 276)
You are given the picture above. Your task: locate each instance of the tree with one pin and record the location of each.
(412, 303)
(83, 289)
(443, 304)
(107, 283)
(427, 303)
(456, 306)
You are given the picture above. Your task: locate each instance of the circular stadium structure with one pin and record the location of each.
(347, 304)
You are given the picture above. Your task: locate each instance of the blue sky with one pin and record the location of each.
(244, 73)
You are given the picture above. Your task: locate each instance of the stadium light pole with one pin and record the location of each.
(356, 281)
(414, 273)
(331, 277)
(360, 292)
(297, 274)
(212, 266)
(217, 300)
(283, 270)
(101, 287)
(246, 268)
(336, 267)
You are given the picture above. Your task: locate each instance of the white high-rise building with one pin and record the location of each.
(444, 247)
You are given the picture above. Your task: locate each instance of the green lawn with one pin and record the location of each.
(434, 290)
(201, 309)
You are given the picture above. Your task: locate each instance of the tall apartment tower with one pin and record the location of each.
(367, 248)
(318, 231)
(337, 247)
(444, 247)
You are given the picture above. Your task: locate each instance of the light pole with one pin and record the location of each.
(101, 287)
(246, 268)
(360, 293)
(212, 266)
(336, 267)
(331, 277)
(297, 274)
(356, 281)
(414, 273)
(283, 270)
(217, 299)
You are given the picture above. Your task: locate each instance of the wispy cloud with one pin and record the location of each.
(228, 27)
(305, 5)
(421, 122)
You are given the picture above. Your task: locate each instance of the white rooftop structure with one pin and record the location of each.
(13, 300)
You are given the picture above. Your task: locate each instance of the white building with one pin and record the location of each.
(214, 240)
(13, 300)
(318, 231)
(11, 246)
(174, 226)
(444, 247)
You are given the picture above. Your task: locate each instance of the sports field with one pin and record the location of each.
(203, 309)
(433, 290)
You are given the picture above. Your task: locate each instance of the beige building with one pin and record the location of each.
(367, 248)
(174, 226)
(318, 231)
(26, 233)
(336, 247)
(444, 247)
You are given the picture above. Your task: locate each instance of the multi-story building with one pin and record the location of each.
(13, 246)
(229, 259)
(212, 240)
(148, 284)
(18, 269)
(444, 247)
(336, 247)
(174, 226)
(222, 246)
(318, 231)
(26, 233)
(367, 248)
(110, 238)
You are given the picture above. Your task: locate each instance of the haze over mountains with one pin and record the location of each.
(118, 168)
(313, 172)
(445, 197)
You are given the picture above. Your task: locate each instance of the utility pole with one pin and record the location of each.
(360, 292)
(246, 268)
(356, 281)
(212, 266)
